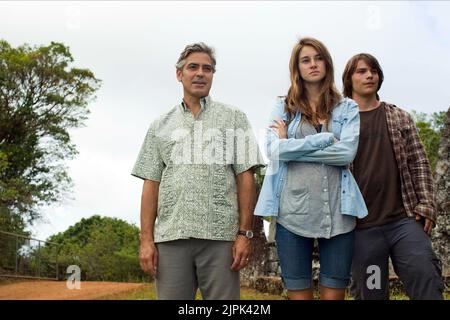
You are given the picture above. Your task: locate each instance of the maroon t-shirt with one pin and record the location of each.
(376, 172)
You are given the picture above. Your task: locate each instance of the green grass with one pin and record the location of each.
(148, 292)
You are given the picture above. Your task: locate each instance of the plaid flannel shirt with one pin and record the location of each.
(418, 190)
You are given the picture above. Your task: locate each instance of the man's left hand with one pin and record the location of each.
(242, 249)
(428, 226)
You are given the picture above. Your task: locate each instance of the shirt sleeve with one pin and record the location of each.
(291, 149)
(246, 150)
(344, 151)
(149, 164)
(421, 174)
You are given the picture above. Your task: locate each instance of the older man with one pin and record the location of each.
(198, 163)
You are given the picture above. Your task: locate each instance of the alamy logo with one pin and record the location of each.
(374, 280)
(74, 279)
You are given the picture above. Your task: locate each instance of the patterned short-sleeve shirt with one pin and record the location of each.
(196, 161)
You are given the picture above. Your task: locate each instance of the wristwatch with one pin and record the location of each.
(247, 233)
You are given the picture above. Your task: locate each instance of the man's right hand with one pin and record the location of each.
(148, 257)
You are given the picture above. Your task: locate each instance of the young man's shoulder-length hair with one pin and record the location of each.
(296, 99)
(350, 69)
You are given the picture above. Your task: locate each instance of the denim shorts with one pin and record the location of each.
(295, 254)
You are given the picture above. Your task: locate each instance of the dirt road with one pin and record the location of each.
(57, 290)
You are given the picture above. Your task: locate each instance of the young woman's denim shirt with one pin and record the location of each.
(318, 148)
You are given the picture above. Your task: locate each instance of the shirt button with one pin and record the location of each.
(343, 191)
(345, 176)
(325, 177)
(278, 195)
(326, 202)
(324, 190)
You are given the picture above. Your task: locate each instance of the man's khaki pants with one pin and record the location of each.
(187, 264)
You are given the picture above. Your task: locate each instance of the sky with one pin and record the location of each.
(133, 47)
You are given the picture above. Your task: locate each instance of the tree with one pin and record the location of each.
(105, 249)
(41, 98)
(430, 129)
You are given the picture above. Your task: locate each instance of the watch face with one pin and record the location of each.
(247, 233)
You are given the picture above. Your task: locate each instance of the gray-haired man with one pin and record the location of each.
(197, 204)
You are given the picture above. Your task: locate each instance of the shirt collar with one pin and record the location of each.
(204, 103)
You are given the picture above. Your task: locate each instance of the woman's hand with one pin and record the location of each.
(280, 128)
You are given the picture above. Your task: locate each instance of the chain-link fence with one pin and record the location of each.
(26, 257)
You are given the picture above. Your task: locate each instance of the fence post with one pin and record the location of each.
(57, 264)
(16, 257)
(39, 259)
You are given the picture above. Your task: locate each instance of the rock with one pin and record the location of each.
(441, 233)
(272, 285)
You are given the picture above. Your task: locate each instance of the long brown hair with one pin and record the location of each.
(296, 99)
(350, 70)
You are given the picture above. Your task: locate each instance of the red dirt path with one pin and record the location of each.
(57, 290)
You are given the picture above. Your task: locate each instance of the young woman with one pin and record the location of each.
(311, 139)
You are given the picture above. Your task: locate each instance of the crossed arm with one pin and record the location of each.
(320, 147)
